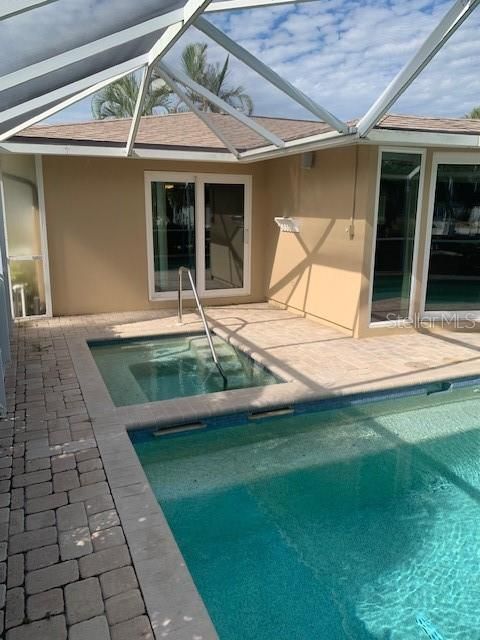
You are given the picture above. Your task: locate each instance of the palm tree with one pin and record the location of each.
(474, 114)
(117, 100)
(212, 76)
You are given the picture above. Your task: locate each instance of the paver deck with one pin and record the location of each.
(67, 534)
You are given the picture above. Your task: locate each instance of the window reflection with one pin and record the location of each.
(173, 221)
(23, 237)
(397, 212)
(454, 267)
(224, 236)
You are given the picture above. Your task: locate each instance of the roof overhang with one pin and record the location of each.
(332, 139)
(116, 151)
(56, 78)
(423, 138)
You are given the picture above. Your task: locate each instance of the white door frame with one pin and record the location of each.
(43, 242)
(472, 157)
(414, 283)
(199, 179)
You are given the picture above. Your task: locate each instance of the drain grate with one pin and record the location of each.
(270, 413)
(178, 428)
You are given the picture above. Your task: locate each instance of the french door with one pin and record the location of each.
(200, 221)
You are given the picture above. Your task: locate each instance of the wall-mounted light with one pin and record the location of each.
(288, 225)
(307, 160)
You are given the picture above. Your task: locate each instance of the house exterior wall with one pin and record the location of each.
(95, 209)
(320, 271)
(96, 227)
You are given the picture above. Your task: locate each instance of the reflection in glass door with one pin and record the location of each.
(24, 237)
(453, 277)
(173, 230)
(397, 210)
(224, 236)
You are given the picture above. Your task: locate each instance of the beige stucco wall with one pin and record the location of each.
(319, 271)
(95, 211)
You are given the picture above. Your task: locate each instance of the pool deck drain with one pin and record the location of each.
(84, 547)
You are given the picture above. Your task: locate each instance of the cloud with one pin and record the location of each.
(342, 53)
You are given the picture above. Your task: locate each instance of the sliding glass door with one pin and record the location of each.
(396, 220)
(199, 221)
(453, 257)
(224, 236)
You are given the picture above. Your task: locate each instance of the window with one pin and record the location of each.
(201, 222)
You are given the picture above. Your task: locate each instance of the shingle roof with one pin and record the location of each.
(438, 125)
(177, 130)
(187, 131)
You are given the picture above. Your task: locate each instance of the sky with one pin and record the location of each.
(343, 53)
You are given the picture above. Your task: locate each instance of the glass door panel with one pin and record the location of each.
(24, 237)
(395, 236)
(224, 236)
(453, 282)
(173, 224)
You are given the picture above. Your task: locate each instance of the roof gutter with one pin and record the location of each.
(105, 151)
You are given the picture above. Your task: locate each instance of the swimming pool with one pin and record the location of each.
(360, 521)
(142, 370)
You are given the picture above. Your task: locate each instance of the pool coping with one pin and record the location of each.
(175, 608)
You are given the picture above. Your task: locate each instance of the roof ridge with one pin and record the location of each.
(112, 119)
(449, 118)
(168, 115)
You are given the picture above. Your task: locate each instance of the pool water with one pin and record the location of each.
(357, 523)
(146, 370)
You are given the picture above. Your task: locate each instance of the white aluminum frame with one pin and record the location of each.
(12, 8)
(175, 23)
(199, 180)
(201, 115)
(271, 76)
(444, 30)
(63, 105)
(43, 242)
(471, 158)
(191, 10)
(235, 5)
(43, 234)
(101, 45)
(416, 243)
(142, 92)
(95, 81)
(238, 115)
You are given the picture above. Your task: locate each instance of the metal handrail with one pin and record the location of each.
(186, 270)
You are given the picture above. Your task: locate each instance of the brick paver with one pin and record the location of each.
(60, 535)
(65, 569)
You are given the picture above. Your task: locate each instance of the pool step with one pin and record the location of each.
(226, 355)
